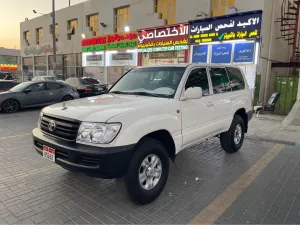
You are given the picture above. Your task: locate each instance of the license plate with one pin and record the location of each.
(49, 153)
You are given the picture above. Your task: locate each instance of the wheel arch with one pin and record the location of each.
(242, 112)
(164, 137)
(20, 105)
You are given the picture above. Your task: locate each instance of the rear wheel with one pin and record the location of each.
(67, 98)
(233, 139)
(148, 172)
(11, 106)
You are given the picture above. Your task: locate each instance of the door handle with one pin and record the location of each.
(210, 104)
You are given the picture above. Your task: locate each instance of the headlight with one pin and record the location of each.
(40, 119)
(97, 133)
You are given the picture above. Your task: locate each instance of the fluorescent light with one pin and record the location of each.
(256, 52)
(127, 28)
(131, 50)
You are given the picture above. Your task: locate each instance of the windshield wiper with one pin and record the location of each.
(119, 92)
(150, 94)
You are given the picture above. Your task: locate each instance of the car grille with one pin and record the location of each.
(66, 129)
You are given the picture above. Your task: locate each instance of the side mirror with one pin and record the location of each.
(27, 91)
(193, 93)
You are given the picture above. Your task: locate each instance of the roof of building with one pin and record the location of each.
(10, 52)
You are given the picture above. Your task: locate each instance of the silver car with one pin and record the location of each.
(32, 94)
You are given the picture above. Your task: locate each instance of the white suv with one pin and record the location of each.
(147, 117)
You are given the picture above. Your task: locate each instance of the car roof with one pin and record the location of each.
(190, 64)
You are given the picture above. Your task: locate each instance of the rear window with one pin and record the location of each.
(91, 80)
(236, 78)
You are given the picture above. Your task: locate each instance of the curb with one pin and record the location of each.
(290, 143)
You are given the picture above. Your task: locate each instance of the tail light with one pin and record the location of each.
(88, 89)
(105, 88)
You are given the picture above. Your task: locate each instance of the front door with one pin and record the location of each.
(197, 114)
(36, 95)
(222, 97)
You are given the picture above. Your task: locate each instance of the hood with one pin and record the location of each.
(101, 108)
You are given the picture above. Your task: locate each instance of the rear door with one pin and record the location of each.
(55, 91)
(222, 97)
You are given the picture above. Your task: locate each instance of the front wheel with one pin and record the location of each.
(148, 172)
(233, 139)
(11, 106)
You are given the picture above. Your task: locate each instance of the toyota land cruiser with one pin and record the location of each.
(147, 117)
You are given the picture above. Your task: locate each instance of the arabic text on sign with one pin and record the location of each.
(121, 37)
(161, 49)
(162, 33)
(163, 43)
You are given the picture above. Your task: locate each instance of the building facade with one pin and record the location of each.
(10, 60)
(95, 18)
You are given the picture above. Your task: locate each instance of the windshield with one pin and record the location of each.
(151, 81)
(20, 87)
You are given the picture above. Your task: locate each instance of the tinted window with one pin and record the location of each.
(220, 81)
(85, 82)
(236, 79)
(37, 87)
(20, 87)
(198, 78)
(54, 86)
(2, 76)
(91, 80)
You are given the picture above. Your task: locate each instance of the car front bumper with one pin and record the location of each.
(94, 161)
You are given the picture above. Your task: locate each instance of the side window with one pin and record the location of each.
(53, 86)
(236, 78)
(219, 79)
(37, 87)
(198, 78)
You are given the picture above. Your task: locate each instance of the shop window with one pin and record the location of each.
(56, 31)
(39, 35)
(219, 7)
(167, 8)
(27, 38)
(122, 17)
(72, 27)
(93, 24)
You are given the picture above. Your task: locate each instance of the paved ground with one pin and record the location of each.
(260, 184)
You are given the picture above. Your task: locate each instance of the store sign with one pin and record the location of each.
(122, 56)
(173, 36)
(244, 52)
(42, 50)
(94, 60)
(163, 49)
(221, 53)
(8, 67)
(233, 27)
(200, 54)
(163, 55)
(112, 42)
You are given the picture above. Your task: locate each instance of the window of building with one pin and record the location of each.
(236, 79)
(198, 78)
(72, 27)
(56, 31)
(168, 10)
(220, 80)
(39, 35)
(93, 24)
(122, 17)
(27, 37)
(219, 7)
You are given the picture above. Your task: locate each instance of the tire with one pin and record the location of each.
(11, 106)
(67, 98)
(148, 152)
(232, 140)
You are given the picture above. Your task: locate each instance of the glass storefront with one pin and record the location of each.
(72, 65)
(40, 66)
(59, 67)
(27, 68)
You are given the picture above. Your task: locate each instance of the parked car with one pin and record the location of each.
(32, 94)
(148, 117)
(5, 85)
(6, 76)
(46, 78)
(87, 87)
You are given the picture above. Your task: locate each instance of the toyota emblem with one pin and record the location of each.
(52, 125)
